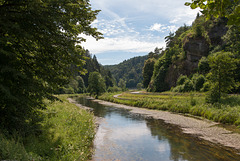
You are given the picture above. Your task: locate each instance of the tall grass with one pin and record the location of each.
(226, 112)
(67, 133)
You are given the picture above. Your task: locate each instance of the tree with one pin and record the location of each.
(96, 84)
(139, 86)
(38, 54)
(148, 71)
(169, 40)
(122, 84)
(219, 8)
(220, 77)
(203, 65)
(81, 85)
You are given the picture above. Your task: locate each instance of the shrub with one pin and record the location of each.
(181, 80)
(12, 149)
(198, 81)
(113, 89)
(188, 86)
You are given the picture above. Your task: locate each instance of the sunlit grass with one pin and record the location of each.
(67, 133)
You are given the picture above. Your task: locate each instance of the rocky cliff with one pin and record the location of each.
(195, 48)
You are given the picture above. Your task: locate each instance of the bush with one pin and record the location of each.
(203, 65)
(114, 89)
(206, 87)
(181, 80)
(188, 86)
(198, 81)
(12, 149)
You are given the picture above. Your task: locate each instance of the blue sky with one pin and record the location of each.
(135, 27)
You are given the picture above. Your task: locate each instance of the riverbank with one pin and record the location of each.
(226, 112)
(203, 129)
(66, 133)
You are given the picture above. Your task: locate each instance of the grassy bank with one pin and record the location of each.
(227, 112)
(67, 133)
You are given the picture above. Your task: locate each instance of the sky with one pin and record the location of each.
(135, 27)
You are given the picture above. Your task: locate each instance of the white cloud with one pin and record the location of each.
(163, 28)
(136, 26)
(113, 27)
(173, 10)
(157, 27)
(128, 44)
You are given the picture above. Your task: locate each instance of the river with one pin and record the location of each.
(124, 136)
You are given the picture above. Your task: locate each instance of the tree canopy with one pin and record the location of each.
(221, 77)
(96, 84)
(38, 52)
(219, 8)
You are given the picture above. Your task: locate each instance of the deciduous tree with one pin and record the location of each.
(221, 77)
(38, 49)
(96, 84)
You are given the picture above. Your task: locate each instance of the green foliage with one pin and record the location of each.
(122, 84)
(203, 65)
(221, 76)
(227, 111)
(36, 55)
(184, 84)
(198, 81)
(113, 89)
(218, 8)
(96, 84)
(76, 85)
(71, 139)
(139, 86)
(92, 65)
(158, 83)
(129, 69)
(181, 80)
(206, 87)
(148, 71)
(11, 149)
(232, 40)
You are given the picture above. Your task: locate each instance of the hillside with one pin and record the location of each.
(129, 70)
(188, 52)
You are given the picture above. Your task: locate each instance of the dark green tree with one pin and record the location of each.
(81, 88)
(148, 71)
(38, 54)
(139, 86)
(221, 75)
(96, 84)
(203, 65)
(122, 84)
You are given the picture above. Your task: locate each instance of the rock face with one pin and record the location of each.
(217, 31)
(195, 49)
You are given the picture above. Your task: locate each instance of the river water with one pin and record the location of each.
(124, 136)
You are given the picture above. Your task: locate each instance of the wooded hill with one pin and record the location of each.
(129, 70)
(79, 82)
(188, 53)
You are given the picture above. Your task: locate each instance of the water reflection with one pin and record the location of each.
(126, 136)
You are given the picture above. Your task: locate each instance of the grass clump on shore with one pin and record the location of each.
(66, 133)
(227, 111)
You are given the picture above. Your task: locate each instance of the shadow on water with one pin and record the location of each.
(127, 136)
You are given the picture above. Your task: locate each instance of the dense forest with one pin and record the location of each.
(80, 81)
(129, 71)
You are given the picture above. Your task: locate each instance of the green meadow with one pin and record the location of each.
(227, 111)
